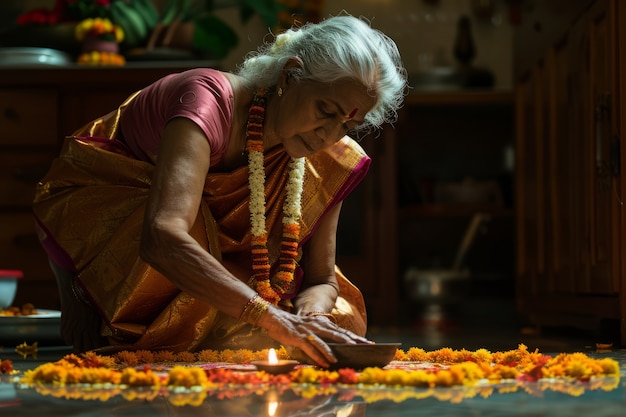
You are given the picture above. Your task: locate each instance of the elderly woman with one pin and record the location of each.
(202, 213)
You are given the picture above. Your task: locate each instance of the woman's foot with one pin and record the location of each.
(80, 324)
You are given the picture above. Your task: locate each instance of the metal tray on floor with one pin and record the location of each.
(45, 325)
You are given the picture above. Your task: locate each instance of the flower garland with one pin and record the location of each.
(139, 376)
(135, 375)
(271, 289)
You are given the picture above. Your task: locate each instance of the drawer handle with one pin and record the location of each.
(11, 114)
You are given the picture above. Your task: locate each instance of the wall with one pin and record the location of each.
(424, 31)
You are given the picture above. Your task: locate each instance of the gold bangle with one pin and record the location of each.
(254, 309)
(321, 313)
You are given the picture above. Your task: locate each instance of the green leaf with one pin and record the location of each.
(212, 35)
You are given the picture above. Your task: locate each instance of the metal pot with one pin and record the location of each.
(441, 286)
(437, 291)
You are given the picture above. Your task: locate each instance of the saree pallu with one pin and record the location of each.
(89, 210)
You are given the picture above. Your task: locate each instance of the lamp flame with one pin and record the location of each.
(272, 403)
(272, 359)
(272, 406)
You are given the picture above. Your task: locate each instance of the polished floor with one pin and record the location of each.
(494, 329)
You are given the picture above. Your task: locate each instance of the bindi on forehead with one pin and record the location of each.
(350, 116)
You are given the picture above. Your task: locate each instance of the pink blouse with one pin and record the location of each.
(202, 95)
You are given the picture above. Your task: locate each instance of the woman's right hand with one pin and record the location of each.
(309, 333)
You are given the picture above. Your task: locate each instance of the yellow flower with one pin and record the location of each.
(181, 399)
(135, 378)
(609, 366)
(421, 379)
(119, 34)
(181, 376)
(416, 354)
(185, 357)
(306, 375)
(208, 355)
(128, 358)
(98, 27)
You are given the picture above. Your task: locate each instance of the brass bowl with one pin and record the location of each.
(355, 356)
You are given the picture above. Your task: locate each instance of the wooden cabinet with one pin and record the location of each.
(453, 161)
(28, 126)
(569, 181)
(443, 161)
(38, 107)
(396, 219)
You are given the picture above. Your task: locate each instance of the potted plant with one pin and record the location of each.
(186, 25)
(191, 25)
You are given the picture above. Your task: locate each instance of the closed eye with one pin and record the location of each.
(326, 113)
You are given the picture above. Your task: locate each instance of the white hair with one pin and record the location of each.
(340, 47)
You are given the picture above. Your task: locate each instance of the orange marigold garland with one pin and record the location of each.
(90, 376)
(271, 288)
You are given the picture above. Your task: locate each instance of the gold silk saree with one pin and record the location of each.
(89, 212)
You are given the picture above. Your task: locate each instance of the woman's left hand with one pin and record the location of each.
(308, 333)
(329, 331)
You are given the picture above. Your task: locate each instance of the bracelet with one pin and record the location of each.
(254, 309)
(321, 313)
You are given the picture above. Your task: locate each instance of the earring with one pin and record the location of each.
(279, 91)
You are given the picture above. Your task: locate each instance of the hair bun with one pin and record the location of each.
(282, 39)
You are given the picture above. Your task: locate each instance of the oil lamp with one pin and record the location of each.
(273, 365)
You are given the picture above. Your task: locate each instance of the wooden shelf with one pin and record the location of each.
(77, 76)
(451, 210)
(460, 97)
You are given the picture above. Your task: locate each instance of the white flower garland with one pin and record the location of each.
(271, 288)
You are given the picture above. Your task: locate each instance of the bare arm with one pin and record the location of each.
(320, 289)
(172, 208)
(166, 244)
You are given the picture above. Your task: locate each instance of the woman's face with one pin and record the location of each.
(310, 116)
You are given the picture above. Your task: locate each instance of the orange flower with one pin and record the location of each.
(6, 367)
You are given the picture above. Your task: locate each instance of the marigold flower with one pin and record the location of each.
(100, 28)
(6, 367)
(127, 358)
(135, 378)
(181, 376)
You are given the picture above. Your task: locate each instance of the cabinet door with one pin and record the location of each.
(620, 119)
(569, 185)
(561, 185)
(28, 117)
(530, 243)
(602, 202)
